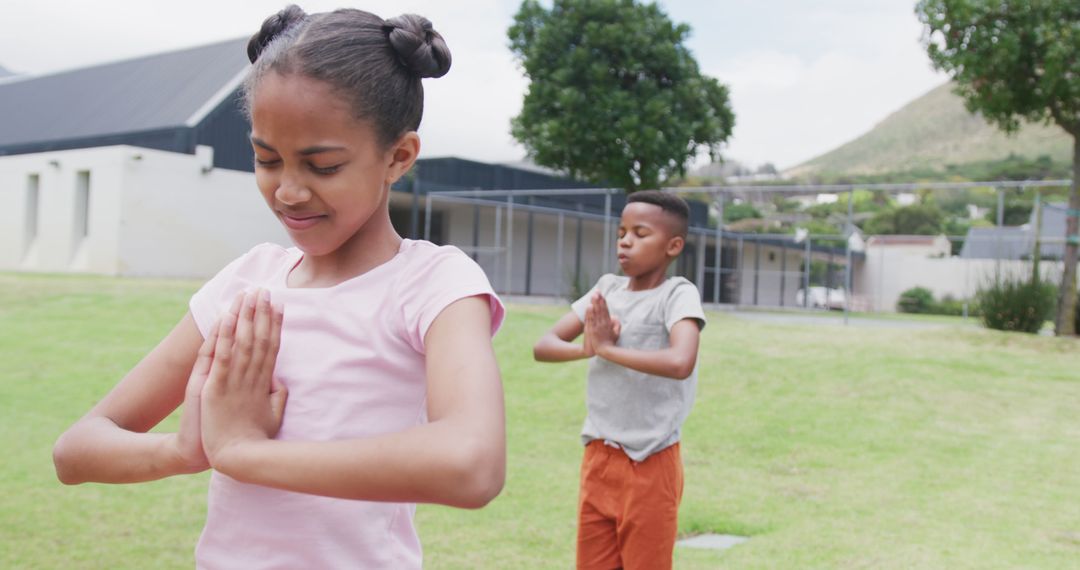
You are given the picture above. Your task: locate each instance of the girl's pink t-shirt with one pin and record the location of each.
(352, 357)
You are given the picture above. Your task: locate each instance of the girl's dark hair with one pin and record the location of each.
(670, 203)
(374, 64)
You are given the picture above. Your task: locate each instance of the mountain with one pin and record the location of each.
(932, 132)
(5, 72)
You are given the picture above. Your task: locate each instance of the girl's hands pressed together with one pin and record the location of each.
(241, 400)
(189, 437)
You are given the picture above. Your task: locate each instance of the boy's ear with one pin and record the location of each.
(675, 246)
(402, 155)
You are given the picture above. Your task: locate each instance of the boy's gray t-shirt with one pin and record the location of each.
(643, 413)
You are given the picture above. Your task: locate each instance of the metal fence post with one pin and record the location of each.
(806, 273)
(509, 242)
(718, 259)
(607, 230)
(427, 217)
(558, 257)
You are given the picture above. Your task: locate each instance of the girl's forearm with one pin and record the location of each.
(97, 450)
(431, 463)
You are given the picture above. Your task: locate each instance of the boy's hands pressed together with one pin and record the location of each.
(601, 329)
(241, 400)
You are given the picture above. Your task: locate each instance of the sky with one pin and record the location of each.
(805, 76)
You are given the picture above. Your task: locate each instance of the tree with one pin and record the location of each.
(741, 211)
(916, 219)
(614, 95)
(1016, 60)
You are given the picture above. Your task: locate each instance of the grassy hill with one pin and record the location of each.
(931, 133)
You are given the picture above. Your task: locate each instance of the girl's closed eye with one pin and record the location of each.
(326, 170)
(266, 162)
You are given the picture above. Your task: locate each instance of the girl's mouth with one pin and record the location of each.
(300, 222)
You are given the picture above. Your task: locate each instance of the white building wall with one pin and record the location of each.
(770, 274)
(56, 247)
(149, 213)
(887, 273)
(184, 222)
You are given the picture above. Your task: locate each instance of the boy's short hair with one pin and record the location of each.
(670, 203)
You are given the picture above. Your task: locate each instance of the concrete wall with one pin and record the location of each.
(775, 271)
(888, 273)
(146, 212)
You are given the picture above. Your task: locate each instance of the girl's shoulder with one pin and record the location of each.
(426, 258)
(264, 260)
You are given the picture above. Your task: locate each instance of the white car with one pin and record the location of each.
(822, 298)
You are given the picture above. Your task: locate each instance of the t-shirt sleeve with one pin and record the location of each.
(215, 296)
(434, 283)
(602, 285)
(684, 302)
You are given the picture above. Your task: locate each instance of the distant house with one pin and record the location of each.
(1018, 242)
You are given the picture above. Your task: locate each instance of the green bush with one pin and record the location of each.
(1016, 304)
(954, 307)
(916, 300)
(921, 301)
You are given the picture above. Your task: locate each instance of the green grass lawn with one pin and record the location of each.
(832, 447)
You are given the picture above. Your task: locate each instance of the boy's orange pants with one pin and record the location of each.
(628, 511)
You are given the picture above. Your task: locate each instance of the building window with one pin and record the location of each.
(82, 206)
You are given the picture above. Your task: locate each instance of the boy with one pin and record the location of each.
(643, 329)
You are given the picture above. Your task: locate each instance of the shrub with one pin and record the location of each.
(916, 300)
(954, 307)
(1017, 304)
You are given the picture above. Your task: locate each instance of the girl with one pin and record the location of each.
(333, 384)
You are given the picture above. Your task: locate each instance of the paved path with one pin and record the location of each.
(834, 319)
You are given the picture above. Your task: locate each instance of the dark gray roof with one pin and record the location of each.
(143, 94)
(1009, 242)
(1015, 242)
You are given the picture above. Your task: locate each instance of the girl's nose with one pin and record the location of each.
(291, 192)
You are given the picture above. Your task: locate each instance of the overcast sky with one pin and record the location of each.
(805, 76)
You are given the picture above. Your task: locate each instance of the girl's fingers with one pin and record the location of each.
(244, 337)
(206, 353)
(279, 395)
(266, 369)
(223, 349)
(260, 337)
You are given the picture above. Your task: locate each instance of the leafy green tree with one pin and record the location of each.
(916, 219)
(615, 96)
(736, 212)
(1016, 60)
(1015, 213)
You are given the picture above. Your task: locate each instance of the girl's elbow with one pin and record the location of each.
(64, 463)
(481, 476)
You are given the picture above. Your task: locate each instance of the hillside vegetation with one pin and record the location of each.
(931, 134)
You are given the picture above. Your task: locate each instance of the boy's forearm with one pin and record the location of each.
(667, 362)
(97, 450)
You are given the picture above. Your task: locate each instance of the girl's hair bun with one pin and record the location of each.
(271, 28)
(419, 47)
